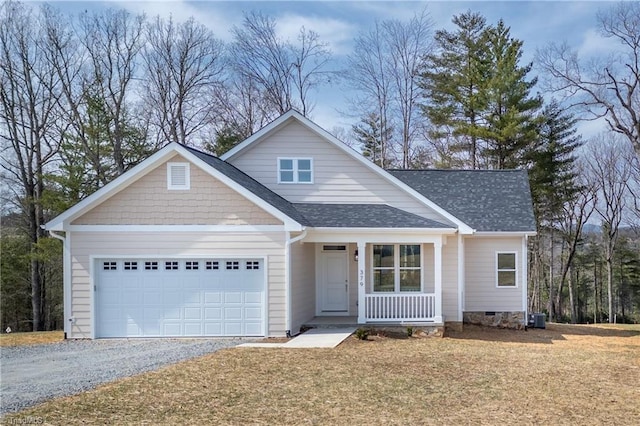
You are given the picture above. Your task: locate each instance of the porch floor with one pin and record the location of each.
(331, 322)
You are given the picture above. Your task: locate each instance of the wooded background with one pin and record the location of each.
(84, 98)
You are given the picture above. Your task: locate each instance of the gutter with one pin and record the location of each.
(287, 276)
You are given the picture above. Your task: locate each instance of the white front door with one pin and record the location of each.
(335, 282)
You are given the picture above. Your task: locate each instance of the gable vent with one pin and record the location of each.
(178, 176)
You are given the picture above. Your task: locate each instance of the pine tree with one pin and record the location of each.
(368, 133)
(553, 171)
(455, 84)
(511, 122)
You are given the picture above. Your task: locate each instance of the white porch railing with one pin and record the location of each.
(399, 307)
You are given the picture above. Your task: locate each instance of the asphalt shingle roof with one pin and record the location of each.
(362, 216)
(250, 183)
(486, 200)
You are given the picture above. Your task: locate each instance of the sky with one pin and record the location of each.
(536, 23)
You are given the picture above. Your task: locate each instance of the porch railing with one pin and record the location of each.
(400, 307)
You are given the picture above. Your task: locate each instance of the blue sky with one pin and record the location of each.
(338, 22)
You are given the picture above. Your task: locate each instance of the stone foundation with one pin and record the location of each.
(419, 331)
(513, 320)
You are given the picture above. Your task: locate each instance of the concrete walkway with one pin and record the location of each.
(314, 338)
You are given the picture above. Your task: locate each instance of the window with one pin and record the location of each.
(171, 266)
(151, 266)
(130, 266)
(233, 265)
(109, 266)
(191, 266)
(506, 270)
(295, 170)
(211, 265)
(252, 264)
(178, 176)
(396, 267)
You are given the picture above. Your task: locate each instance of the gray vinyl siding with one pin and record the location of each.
(338, 178)
(303, 286)
(480, 280)
(156, 244)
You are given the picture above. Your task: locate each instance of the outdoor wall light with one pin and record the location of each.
(355, 255)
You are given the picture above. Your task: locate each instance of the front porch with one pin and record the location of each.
(386, 281)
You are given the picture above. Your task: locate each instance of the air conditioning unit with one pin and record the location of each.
(536, 320)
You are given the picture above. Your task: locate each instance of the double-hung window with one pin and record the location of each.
(506, 270)
(295, 170)
(397, 268)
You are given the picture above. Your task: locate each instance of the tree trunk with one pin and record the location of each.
(610, 288)
(571, 298)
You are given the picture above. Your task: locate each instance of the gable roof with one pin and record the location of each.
(487, 200)
(250, 184)
(295, 115)
(363, 216)
(226, 173)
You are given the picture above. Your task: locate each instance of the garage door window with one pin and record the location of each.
(253, 265)
(130, 266)
(233, 265)
(151, 266)
(171, 266)
(211, 265)
(192, 266)
(109, 266)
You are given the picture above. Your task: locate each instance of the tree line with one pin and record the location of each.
(83, 98)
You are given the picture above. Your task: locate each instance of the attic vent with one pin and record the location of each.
(178, 176)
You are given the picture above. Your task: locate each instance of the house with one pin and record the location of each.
(289, 226)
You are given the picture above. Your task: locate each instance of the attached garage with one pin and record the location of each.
(175, 297)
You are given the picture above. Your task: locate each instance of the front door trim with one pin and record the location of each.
(321, 280)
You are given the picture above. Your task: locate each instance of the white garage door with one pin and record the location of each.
(179, 297)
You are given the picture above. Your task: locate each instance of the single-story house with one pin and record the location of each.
(288, 226)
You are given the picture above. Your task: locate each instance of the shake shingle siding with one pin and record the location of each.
(486, 200)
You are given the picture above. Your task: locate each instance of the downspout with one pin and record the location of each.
(287, 276)
(66, 282)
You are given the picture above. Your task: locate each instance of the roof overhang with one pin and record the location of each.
(62, 221)
(505, 234)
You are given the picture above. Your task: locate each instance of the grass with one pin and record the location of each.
(562, 375)
(31, 338)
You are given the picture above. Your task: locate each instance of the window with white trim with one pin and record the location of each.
(130, 266)
(233, 265)
(397, 268)
(506, 269)
(109, 266)
(295, 170)
(178, 176)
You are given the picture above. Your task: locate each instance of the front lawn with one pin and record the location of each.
(562, 375)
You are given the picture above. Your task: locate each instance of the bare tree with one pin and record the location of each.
(367, 72)
(384, 69)
(29, 114)
(409, 42)
(575, 214)
(113, 40)
(281, 70)
(608, 87)
(184, 65)
(611, 174)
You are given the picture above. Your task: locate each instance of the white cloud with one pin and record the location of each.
(594, 45)
(339, 34)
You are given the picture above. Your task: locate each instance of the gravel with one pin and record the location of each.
(32, 374)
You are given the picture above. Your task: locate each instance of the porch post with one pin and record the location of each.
(437, 267)
(361, 281)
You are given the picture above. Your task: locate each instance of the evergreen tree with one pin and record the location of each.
(553, 171)
(455, 84)
(511, 124)
(369, 134)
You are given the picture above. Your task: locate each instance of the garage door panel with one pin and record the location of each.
(173, 297)
(212, 314)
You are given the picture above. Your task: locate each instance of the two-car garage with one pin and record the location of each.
(178, 297)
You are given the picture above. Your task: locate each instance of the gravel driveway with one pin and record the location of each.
(33, 374)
